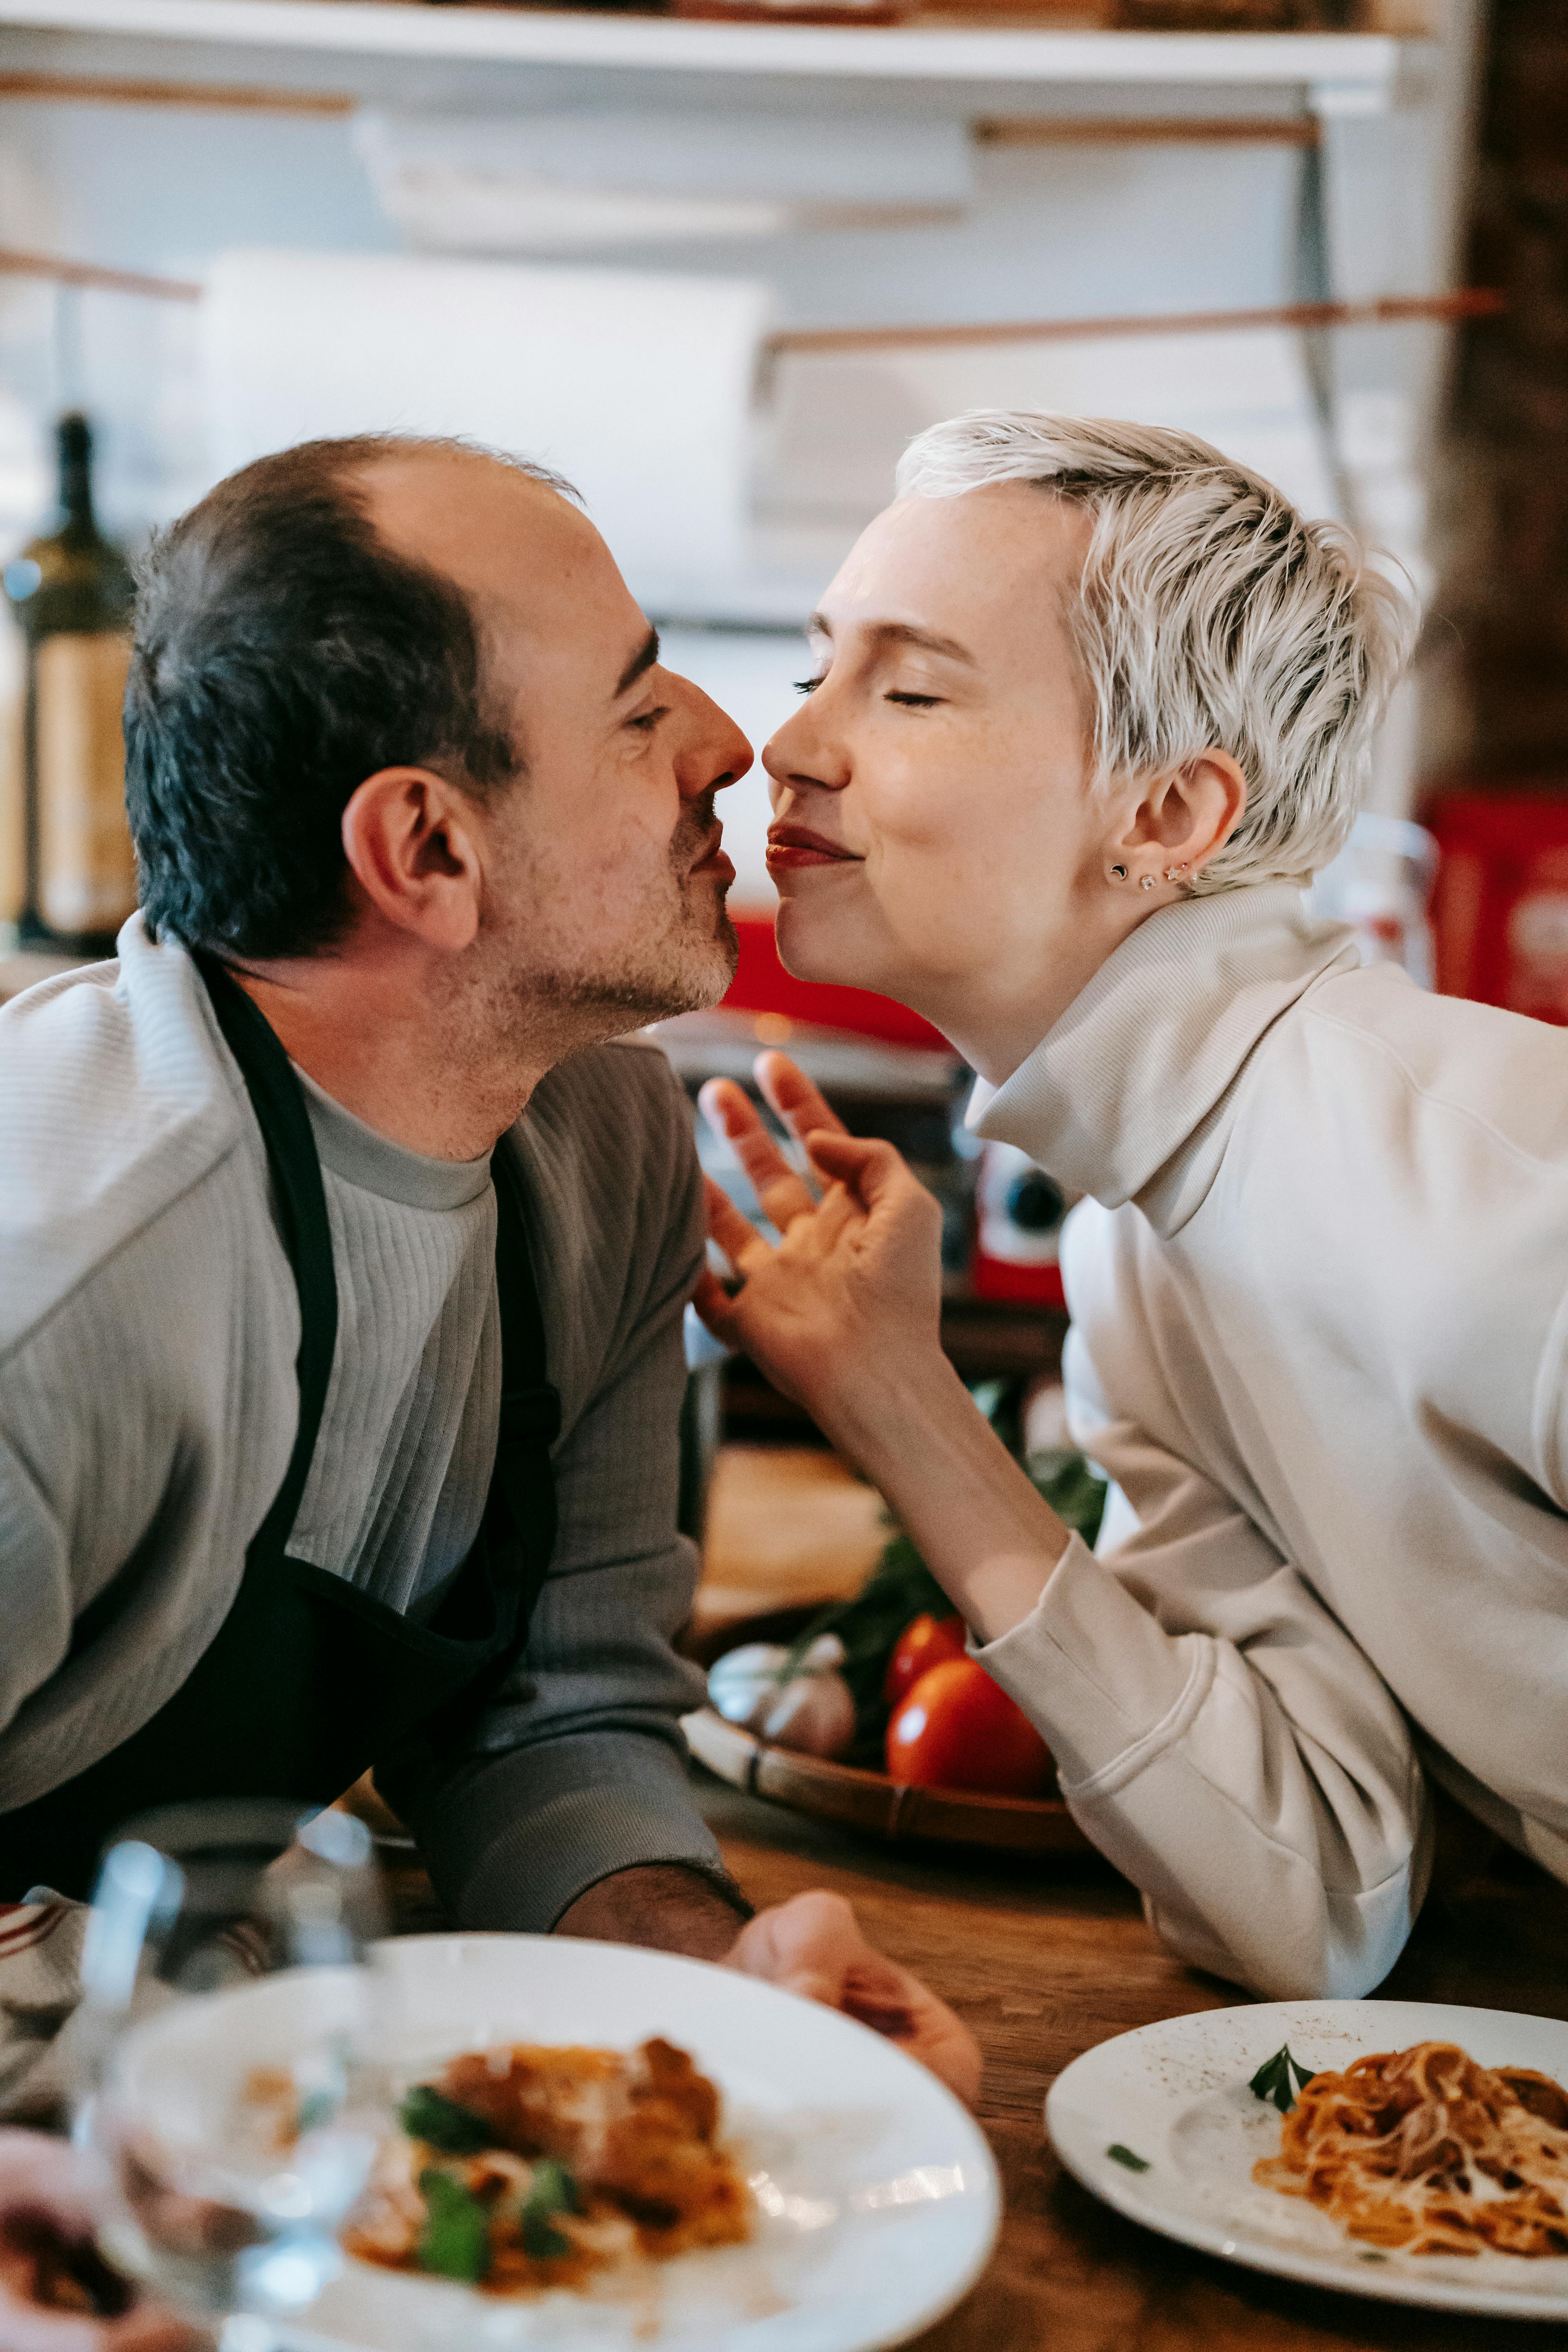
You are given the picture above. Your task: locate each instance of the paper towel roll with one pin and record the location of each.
(636, 385)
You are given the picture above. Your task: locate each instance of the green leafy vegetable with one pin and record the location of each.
(428, 2114)
(1281, 2079)
(554, 2190)
(454, 2242)
(1125, 2156)
(1073, 1487)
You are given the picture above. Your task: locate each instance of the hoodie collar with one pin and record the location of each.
(1143, 1056)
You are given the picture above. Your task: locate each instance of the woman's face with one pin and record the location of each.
(933, 835)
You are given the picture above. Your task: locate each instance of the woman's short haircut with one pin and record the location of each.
(283, 653)
(1209, 612)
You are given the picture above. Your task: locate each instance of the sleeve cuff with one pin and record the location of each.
(518, 1842)
(1102, 1682)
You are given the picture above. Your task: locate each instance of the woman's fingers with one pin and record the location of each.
(782, 1190)
(735, 1234)
(804, 1110)
(872, 1171)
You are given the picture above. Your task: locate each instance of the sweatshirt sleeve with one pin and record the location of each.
(1219, 1736)
(578, 1769)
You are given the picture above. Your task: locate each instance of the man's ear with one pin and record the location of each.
(1189, 814)
(412, 841)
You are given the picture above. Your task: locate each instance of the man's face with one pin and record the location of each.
(943, 755)
(604, 875)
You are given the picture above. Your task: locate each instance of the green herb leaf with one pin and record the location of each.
(554, 2190)
(428, 2114)
(1370, 2254)
(454, 2242)
(1281, 2079)
(1125, 2156)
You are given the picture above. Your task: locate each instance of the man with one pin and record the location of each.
(1092, 706)
(330, 1174)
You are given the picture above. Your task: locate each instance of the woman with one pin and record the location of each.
(1092, 706)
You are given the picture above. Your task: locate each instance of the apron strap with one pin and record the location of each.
(284, 1124)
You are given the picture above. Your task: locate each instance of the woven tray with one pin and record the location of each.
(868, 1801)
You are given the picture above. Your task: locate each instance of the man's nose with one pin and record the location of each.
(719, 754)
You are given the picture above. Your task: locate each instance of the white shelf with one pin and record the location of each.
(1359, 69)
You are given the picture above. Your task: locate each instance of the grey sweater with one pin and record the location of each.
(148, 1329)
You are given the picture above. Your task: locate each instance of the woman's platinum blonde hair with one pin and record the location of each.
(1209, 614)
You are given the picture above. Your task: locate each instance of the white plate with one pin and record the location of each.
(878, 2197)
(1176, 2095)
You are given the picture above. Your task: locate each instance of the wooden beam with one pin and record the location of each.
(1146, 131)
(97, 89)
(90, 274)
(1473, 303)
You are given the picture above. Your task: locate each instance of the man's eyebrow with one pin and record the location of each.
(644, 658)
(902, 633)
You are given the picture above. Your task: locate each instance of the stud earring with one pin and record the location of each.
(1118, 873)
(1147, 882)
(1173, 873)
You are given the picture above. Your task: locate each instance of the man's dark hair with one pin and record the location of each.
(283, 653)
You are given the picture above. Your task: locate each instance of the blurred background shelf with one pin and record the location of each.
(357, 47)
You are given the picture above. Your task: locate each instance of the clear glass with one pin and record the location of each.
(225, 2055)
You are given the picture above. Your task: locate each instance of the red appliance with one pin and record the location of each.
(1499, 909)
(762, 985)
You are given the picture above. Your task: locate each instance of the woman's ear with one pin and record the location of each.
(412, 842)
(1184, 818)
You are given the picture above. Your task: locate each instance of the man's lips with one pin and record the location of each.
(791, 846)
(715, 860)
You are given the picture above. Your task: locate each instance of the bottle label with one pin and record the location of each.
(88, 879)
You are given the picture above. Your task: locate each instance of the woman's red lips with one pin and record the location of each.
(794, 846)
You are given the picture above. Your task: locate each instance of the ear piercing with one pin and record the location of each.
(1173, 873)
(1147, 882)
(1118, 873)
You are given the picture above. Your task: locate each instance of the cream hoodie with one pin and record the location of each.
(1319, 1299)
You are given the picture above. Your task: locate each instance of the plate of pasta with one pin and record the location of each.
(560, 2143)
(1412, 2151)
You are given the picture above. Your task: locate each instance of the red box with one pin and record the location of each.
(1499, 908)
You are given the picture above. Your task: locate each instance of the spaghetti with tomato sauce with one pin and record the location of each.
(1425, 2151)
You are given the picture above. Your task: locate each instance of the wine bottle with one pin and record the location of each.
(71, 592)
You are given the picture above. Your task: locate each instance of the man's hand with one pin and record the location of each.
(813, 1946)
(810, 1945)
(49, 2270)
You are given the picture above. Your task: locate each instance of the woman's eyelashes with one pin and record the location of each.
(912, 701)
(807, 684)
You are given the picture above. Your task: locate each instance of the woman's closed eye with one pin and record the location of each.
(807, 684)
(913, 701)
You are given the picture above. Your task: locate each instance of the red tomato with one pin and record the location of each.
(926, 1641)
(957, 1729)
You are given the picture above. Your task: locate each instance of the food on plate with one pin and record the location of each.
(957, 1729)
(533, 2167)
(1427, 2151)
(928, 1640)
(798, 1698)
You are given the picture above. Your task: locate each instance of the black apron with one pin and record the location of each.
(308, 1683)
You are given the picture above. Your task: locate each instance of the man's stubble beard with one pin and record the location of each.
(686, 965)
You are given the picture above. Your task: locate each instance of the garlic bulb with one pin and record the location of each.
(815, 1714)
(744, 1686)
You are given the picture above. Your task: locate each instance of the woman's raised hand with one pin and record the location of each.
(852, 1291)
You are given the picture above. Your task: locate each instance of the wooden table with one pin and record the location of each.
(1043, 1961)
